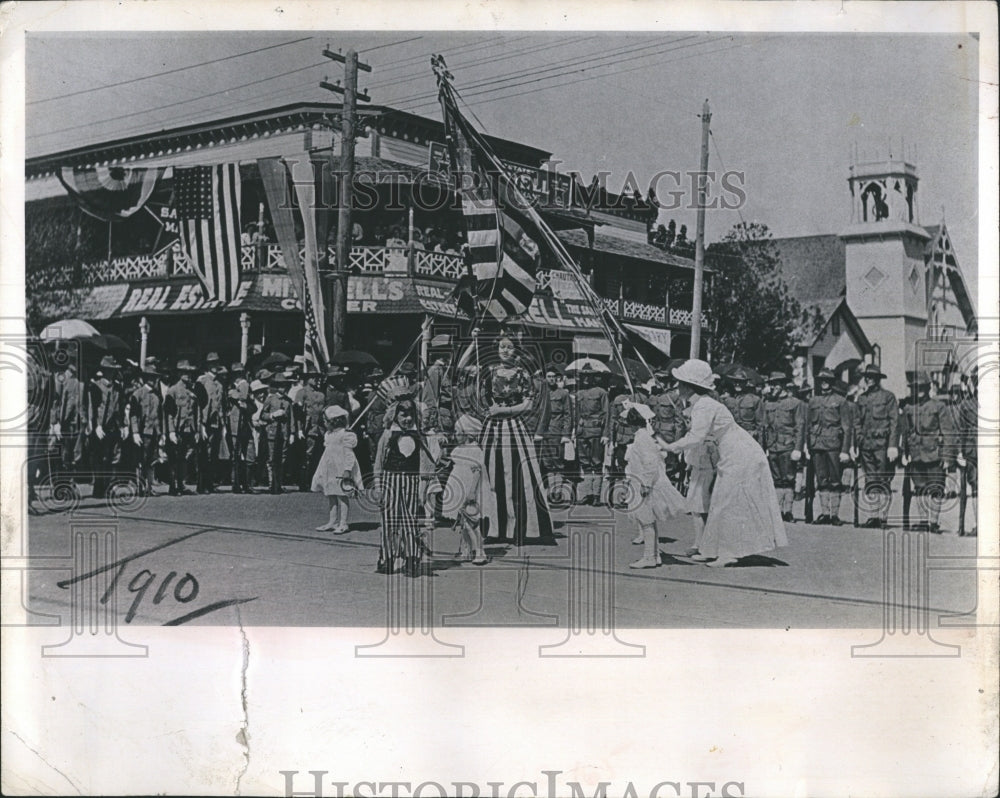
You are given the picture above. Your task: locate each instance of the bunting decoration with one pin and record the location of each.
(110, 193)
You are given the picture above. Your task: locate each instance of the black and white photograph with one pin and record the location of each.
(417, 397)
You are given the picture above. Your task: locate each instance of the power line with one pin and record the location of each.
(167, 72)
(391, 44)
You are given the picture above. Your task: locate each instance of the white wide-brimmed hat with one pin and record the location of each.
(695, 372)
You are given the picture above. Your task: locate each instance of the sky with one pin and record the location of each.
(788, 110)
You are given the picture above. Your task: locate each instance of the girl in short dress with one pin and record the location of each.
(468, 494)
(652, 496)
(338, 474)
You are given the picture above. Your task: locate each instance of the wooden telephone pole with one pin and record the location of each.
(699, 238)
(350, 92)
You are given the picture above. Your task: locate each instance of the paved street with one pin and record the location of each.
(260, 554)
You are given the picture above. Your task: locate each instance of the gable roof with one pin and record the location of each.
(939, 248)
(814, 267)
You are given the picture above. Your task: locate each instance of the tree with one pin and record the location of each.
(754, 317)
(671, 234)
(682, 246)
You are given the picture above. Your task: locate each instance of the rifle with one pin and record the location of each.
(810, 489)
(855, 489)
(907, 497)
(963, 487)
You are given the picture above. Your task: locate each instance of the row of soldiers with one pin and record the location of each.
(866, 427)
(122, 421)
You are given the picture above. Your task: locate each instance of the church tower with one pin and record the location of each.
(885, 269)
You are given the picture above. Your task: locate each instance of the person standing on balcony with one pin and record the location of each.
(146, 427)
(107, 419)
(591, 433)
(209, 393)
(183, 425)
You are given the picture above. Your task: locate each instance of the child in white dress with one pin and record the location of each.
(653, 496)
(468, 493)
(338, 474)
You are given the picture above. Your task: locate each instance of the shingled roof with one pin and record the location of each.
(814, 267)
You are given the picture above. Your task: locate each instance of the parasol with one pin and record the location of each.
(354, 357)
(580, 363)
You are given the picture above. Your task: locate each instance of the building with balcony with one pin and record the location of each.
(132, 278)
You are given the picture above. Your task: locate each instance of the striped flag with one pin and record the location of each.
(207, 200)
(503, 238)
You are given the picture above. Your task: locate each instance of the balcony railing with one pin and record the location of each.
(363, 260)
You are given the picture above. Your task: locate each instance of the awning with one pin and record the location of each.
(657, 337)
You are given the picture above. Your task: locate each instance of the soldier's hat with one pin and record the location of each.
(779, 377)
(239, 394)
(185, 365)
(335, 371)
(739, 374)
(151, 368)
(264, 375)
(920, 379)
(212, 359)
(256, 386)
(280, 379)
(109, 362)
(871, 370)
(826, 374)
(841, 387)
(237, 368)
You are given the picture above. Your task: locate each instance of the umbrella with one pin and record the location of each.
(354, 357)
(108, 342)
(749, 374)
(636, 370)
(579, 363)
(275, 359)
(68, 330)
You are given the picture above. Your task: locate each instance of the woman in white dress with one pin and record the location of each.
(743, 515)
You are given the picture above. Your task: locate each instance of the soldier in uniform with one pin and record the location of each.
(669, 423)
(558, 431)
(829, 445)
(746, 406)
(926, 443)
(967, 459)
(312, 402)
(877, 424)
(183, 424)
(210, 399)
(107, 420)
(591, 433)
(146, 427)
(241, 447)
(784, 439)
(622, 433)
(277, 417)
(336, 387)
(70, 423)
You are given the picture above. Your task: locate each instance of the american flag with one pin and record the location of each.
(207, 199)
(503, 237)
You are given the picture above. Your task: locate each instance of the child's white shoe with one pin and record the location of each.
(645, 562)
(325, 528)
(341, 529)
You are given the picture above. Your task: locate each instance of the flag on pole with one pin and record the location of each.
(505, 243)
(279, 189)
(207, 200)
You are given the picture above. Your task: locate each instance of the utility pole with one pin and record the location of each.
(699, 237)
(350, 92)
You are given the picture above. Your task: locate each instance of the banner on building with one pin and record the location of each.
(110, 193)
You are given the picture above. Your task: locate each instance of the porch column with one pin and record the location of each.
(143, 341)
(244, 336)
